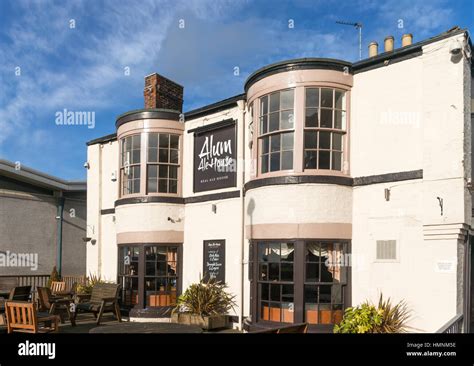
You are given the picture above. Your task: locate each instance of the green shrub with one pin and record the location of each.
(91, 281)
(54, 276)
(205, 298)
(368, 318)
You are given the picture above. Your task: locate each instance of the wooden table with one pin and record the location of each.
(139, 327)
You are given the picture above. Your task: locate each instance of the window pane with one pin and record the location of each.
(173, 172)
(136, 186)
(163, 156)
(324, 159)
(174, 141)
(152, 185)
(312, 272)
(326, 118)
(264, 163)
(274, 122)
(152, 169)
(136, 142)
(263, 125)
(287, 160)
(311, 119)
(264, 106)
(312, 97)
(287, 119)
(274, 272)
(173, 186)
(326, 97)
(287, 141)
(310, 140)
(174, 156)
(339, 97)
(152, 140)
(274, 102)
(264, 293)
(324, 140)
(340, 119)
(275, 143)
(265, 145)
(287, 99)
(336, 160)
(152, 155)
(325, 294)
(287, 271)
(336, 141)
(310, 159)
(274, 162)
(135, 157)
(263, 271)
(163, 185)
(163, 171)
(135, 172)
(164, 140)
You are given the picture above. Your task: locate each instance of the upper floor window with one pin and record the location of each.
(276, 131)
(325, 124)
(162, 163)
(130, 164)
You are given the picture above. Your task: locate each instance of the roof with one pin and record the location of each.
(214, 107)
(40, 179)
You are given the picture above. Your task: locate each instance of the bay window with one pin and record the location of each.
(276, 131)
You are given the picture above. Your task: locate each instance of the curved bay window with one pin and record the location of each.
(130, 164)
(276, 131)
(162, 163)
(300, 281)
(325, 125)
(150, 276)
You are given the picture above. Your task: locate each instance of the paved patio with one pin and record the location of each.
(86, 322)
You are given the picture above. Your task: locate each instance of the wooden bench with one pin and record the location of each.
(58, 286)
(104, 298)
(22, 317)
(293, 328)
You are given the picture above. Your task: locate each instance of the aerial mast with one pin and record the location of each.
(357, 26)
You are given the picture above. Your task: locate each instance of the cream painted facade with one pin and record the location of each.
(405, 177)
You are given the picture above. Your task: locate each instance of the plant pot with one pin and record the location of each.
(205, 322)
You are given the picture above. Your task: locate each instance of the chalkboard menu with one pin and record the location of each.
(215, 156)
(214, 260)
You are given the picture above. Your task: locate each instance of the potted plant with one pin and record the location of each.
(205, 304)
(368, 318)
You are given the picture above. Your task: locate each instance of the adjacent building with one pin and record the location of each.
(42, 223)
(324, 184)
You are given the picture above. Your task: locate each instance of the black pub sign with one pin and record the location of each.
(215, 156)
(214, 260)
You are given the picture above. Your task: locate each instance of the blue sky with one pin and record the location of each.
(47, 66)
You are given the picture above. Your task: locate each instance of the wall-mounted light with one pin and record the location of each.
(113, 177)
(440, 201)
(214, 208)
(86, 165)
(387, 194)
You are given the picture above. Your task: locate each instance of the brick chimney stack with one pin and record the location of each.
(161, 92)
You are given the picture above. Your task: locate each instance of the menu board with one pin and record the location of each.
(214, 260)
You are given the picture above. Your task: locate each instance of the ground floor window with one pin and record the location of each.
(149, 275)
(300, 281)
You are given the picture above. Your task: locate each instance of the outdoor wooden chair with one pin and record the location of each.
(104, 298)
(58, 286)
(20, 293)
(293, 328)
(54, 305)
(22, 317)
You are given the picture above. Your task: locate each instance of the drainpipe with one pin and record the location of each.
(59, 246)
(241, 105)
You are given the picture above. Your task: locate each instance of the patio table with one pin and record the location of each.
(139, 327)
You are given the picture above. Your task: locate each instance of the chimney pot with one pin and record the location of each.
(160, 92)
(407, 39)
(388, 44)
(373, 49)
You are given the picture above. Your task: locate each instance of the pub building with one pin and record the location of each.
(322, 185)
